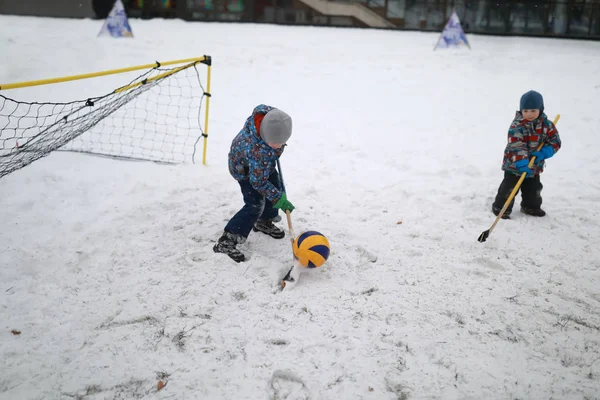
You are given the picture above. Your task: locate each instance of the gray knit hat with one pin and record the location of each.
(276, 127)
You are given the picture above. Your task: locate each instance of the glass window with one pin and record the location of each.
(493, 17)
(415, 12)
(235, 5)
(162, 3)
(580, 13)
(201, 4)
(596, 23)
(395, 9)
(269, 14)
(319, 19)
(529, 18)
(536, 19)
(557, 18)
(518, 16)
(435, 15)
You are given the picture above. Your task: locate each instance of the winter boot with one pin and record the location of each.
(536, 212)
(226, 245)
(497, 210)
(267, 227)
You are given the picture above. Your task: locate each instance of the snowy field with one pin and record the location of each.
(107, 268)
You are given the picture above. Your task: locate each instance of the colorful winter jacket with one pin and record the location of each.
(251, 158)
(524, 137)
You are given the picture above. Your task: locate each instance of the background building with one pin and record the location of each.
(564, 18)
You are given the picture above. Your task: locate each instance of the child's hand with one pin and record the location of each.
(522, 167)
(546, 152)
(284, 204)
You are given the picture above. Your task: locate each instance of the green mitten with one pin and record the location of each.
(284, 204)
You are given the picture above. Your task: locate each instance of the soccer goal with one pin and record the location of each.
(156, 117)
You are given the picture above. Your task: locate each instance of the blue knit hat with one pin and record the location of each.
(532, 100)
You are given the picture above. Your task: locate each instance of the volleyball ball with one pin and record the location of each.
(311, 249)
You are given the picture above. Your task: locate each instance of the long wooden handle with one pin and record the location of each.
(290, 276)
(291, 229)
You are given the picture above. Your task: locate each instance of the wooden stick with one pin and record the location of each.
(288, 277)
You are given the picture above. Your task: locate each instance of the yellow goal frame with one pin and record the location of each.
(188, 62)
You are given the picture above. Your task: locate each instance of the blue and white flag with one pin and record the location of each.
(116, 24)
(452, 35)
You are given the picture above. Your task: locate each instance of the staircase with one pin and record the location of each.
(351, 9)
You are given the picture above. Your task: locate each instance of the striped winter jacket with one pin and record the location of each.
(251, 158)
(524, 137)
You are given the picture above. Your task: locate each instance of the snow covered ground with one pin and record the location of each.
(107, 268)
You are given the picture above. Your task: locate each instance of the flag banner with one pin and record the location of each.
(116, 24)
(452, 35)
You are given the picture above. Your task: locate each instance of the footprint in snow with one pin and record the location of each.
(286, 385)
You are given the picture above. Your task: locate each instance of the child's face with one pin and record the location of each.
(276, 146)
(530, 115)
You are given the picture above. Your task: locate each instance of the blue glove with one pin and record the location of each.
(546, 152)
(523, 168)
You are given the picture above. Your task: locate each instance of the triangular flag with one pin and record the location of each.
(116, 24)
(452, 35)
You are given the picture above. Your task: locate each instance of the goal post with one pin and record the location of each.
(157, 117)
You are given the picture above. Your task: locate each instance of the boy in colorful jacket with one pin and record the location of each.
(530, 128)
(252, 159)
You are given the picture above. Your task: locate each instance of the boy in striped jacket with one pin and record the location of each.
(530, 128)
